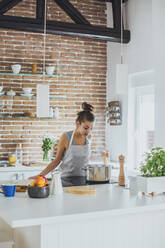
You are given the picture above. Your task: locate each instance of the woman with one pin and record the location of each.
(73, 149)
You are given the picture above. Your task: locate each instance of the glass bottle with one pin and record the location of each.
(56, 113)
(19, 155)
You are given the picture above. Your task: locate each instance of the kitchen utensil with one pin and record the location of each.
(87, 190)
(98, 173)
(38, 192)
(56, 184)
(33, 164)
(21, 188)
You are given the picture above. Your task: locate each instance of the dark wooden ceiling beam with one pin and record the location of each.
(82, 28)
(62, 28)
(116, 9)
(110, 1)
(6, 5)
(40, 9)
(71, 11)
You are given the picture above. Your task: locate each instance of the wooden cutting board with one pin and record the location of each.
(82, 190)
(21, 188)
(35, 164)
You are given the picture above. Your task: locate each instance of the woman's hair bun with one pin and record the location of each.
(86, 114)
(87, 107)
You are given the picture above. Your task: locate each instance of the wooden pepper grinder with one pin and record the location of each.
(121, 179)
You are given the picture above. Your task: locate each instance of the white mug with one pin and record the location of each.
(16, 68)
(50, 70)
(27, 90)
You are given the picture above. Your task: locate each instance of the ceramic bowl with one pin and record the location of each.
(38, 192)
(16, 68)
(10, 93)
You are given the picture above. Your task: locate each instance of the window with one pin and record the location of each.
(141, 122)
(144, 122)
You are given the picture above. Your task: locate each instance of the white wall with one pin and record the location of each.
(159, 59)
(138, 54)
(115, 135)
(145, 52)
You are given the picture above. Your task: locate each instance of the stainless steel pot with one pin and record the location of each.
(38, 192)
(98, 173)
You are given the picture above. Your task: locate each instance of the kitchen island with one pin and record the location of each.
(113, 217)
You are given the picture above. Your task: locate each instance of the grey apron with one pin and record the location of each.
(75, 158)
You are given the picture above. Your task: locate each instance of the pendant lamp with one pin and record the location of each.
(121, 69)
(42, 104)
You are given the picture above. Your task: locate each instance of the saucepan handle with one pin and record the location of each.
(86, 168)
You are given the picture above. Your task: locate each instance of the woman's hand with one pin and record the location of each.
(34, 177)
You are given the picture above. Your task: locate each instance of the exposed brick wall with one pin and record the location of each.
(80, 62)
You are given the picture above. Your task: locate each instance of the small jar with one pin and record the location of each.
(34, 68)
(12, 159)
(105, 157)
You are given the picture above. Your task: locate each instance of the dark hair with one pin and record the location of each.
(86, 114)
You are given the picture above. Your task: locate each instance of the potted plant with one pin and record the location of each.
(47, 145)
(152, 172)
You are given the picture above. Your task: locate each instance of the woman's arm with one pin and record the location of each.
(62, 146)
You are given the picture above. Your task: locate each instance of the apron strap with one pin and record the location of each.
(58, 166)
(70, 143)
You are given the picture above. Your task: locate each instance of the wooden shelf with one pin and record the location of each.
(25, 117)
(51, 97)
(30, 75)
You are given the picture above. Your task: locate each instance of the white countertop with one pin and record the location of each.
(39, 168)
(109, 199)
(22, 168)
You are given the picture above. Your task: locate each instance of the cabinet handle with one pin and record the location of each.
(16, 176)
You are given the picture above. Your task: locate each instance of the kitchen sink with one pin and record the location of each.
(5, 164)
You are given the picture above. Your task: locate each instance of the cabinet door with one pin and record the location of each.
(8, 176)
(19, 175)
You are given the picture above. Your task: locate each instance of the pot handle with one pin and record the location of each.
(86, 168)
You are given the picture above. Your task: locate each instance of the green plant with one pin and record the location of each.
(154, 163)
(47, 145)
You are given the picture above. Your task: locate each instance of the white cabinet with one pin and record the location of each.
(5, 176)
(10, 174)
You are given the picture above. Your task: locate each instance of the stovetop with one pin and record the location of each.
(80, 180)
